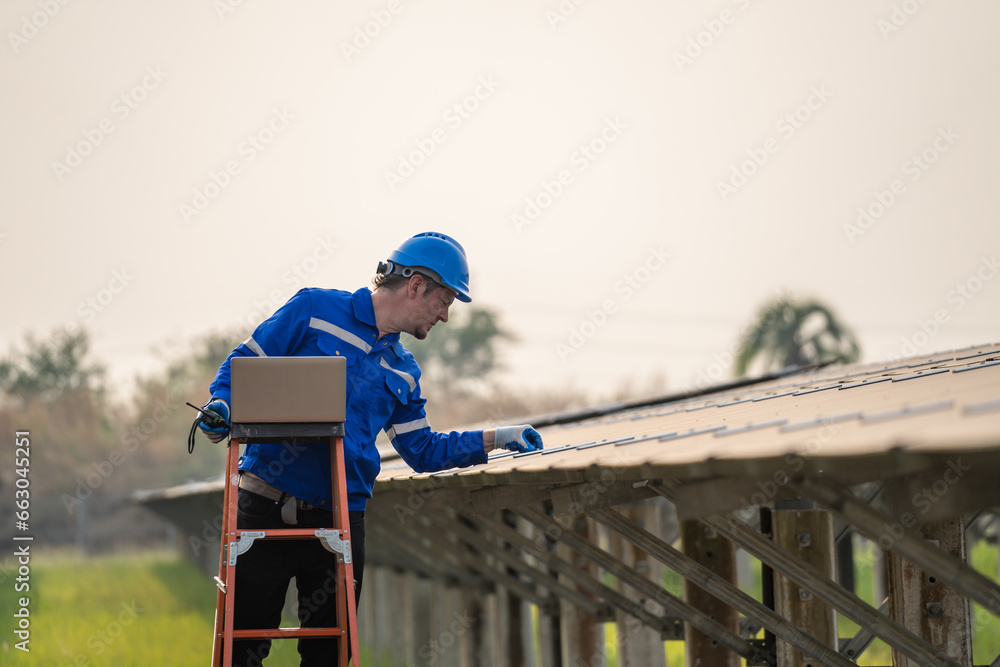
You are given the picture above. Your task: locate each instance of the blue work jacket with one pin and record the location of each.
(383, 393)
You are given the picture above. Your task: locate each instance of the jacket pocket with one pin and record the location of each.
(397, 386)
(332, 347)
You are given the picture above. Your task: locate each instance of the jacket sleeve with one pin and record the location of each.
(277, 336)
(425, 450)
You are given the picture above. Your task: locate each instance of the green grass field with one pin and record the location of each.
(119, 611)
(154, 609)
(123, 610)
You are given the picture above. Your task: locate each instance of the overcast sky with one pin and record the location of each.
(631, 180)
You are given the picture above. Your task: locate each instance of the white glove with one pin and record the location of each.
(520, 438)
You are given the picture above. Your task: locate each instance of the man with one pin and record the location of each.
(279, 486)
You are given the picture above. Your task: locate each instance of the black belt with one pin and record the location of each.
(289, 503)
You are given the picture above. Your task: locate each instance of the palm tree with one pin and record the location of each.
(795, 333)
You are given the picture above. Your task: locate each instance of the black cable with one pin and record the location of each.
(194, 429)
(213, 420)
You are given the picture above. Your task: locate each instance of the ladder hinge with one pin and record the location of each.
(332, 543)
(246, 540)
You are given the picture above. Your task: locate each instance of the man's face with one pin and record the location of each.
(430, 307)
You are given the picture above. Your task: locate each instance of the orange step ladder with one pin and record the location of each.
(336, 539)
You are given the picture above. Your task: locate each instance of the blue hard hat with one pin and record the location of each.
(441, 255)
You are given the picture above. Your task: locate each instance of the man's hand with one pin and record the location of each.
(520, 438)
(213, 429)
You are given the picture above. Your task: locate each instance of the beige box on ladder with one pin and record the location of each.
(271, 390)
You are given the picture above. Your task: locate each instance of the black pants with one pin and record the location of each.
(263, 573)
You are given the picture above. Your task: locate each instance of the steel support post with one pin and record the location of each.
(704, 545)
(889, 534)
(637, 644)
(815, 582)
(941, 615)
(864, 637)
(674, 605)
(581, 637)
(720, 588)
(807, 536)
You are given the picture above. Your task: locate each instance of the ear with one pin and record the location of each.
(413, 285)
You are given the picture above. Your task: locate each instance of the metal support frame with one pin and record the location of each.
(719, 587)
(921, 602)
(718, 554)
(856, 645)
(422, 562)
(665, 626)
(806, 533)
(829, 591)
(537, 577)
(672, 603)
(521, 566)
(460, 558)
(456, 563)
(877, 525)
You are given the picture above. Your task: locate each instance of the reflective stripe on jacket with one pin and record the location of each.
(383, 393)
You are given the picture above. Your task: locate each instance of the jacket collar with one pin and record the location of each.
(365, 312)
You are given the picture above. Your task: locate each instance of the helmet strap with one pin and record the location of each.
(388, 268)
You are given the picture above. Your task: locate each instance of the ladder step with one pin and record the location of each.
(275, 633)
(336, 539)
(284, 533)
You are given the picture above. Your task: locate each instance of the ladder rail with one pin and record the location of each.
(346, 599)
(225, 633)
